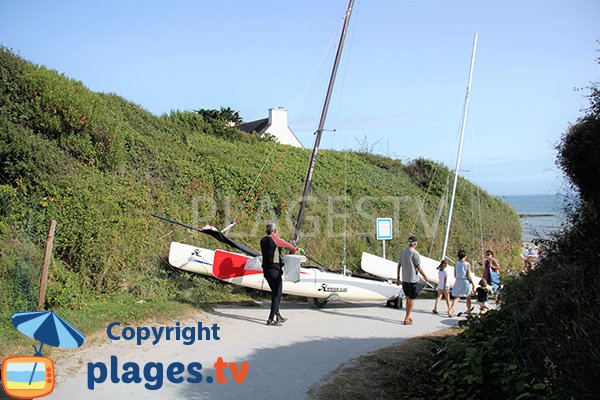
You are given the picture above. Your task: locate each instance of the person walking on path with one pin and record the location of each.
(463, 285)
(491, 271)
(272, 271)
(443, 286)
(410, 264)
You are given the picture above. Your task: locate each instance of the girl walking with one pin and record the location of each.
(443, 286)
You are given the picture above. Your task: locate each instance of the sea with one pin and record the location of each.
(541, 214)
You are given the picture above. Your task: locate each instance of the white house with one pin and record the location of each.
(276, 125)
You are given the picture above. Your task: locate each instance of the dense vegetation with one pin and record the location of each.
(544, 342)
(100, 165)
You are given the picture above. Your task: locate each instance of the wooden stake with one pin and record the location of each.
(45, 265)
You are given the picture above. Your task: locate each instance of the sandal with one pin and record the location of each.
(434, 311)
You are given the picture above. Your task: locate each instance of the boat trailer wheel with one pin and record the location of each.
(319, 303)
(396, 303)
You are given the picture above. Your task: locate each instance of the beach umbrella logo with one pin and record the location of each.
(26, 377)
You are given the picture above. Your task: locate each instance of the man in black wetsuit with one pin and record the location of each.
(272, 270)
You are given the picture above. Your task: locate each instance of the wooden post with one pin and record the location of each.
(45, 265)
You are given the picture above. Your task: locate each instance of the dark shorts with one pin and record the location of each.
(411, 290)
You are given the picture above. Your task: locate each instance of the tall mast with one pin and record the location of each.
(460, 144)
(313, 159)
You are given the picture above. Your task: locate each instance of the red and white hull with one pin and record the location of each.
(313, 283)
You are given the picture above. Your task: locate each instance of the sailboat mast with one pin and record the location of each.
(319, 133)
(460, 144)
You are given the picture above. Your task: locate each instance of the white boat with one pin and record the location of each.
(312, 283)
(388, 269)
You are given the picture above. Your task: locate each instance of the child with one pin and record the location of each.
(443, 286)
(482, 296)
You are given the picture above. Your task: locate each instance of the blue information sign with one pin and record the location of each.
(384, 229)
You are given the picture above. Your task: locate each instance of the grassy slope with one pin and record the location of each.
(101, 165)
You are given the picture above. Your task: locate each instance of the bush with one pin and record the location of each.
(544, 341)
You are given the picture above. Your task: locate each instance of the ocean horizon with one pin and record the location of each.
(541, 215)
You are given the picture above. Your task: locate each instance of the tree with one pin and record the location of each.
(579, 148)
(225, 114)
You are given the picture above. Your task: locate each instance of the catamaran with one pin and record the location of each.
(311, 282)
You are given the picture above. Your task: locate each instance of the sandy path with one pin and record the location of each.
(283, 361)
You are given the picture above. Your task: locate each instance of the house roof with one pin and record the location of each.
(258, 126)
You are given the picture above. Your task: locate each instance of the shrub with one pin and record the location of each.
(544, 341)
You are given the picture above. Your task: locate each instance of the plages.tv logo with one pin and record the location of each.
(26, 377)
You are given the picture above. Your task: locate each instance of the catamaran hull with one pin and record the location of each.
(313, 283)
(388, 269)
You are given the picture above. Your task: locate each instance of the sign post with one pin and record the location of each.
(45, 265)
(384, 231)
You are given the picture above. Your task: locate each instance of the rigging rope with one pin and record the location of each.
(476, 173)
(473, 234)
(424, 198)
(261, 170)
(344, 254)
(480, 223)
(337, 113)
(246, 210)
(445, 204)
(458, 118)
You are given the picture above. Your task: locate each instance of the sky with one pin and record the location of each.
(402, 80)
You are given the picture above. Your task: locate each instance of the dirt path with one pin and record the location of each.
(283, 362)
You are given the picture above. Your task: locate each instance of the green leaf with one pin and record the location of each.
(523, 396)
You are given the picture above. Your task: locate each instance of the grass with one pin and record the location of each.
(397, 372)
(93, 317)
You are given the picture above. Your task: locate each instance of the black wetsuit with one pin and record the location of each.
(272, 272)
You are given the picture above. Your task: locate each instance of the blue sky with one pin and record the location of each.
(402, 79)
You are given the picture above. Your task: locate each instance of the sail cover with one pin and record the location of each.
(214, 233)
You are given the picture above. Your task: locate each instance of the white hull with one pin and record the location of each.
(388, 269)
(191, 258)
(313, 283)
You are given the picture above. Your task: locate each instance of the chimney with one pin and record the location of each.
(278, 117)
